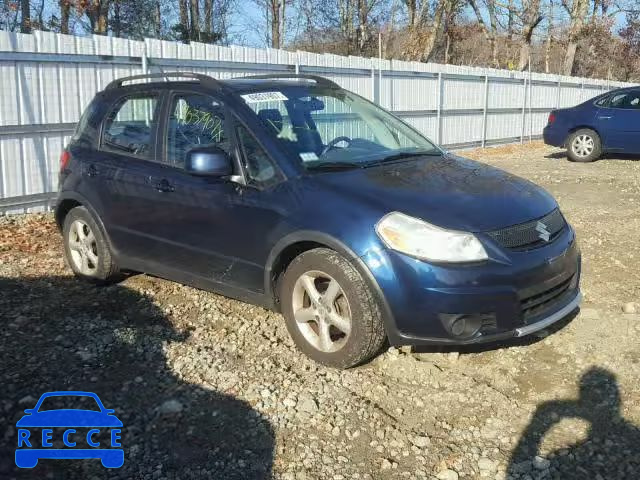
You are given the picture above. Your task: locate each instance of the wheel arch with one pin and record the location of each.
(292, 245)
(70, 200)
(581, 127)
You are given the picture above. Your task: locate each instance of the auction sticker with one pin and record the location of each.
(259, 97)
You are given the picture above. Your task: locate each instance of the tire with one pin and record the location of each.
(584, 145)
(86, 249)
(349, 298)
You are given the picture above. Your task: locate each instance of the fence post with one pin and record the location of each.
(524, 107)
(530, 112)
(558, 92)
(380, 84)
(374, 98)
(297, 65)
(484, 113)
(145, 61)
(439, 111)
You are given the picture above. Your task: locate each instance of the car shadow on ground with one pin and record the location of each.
(58, 333)
(562, 155)
(510, 343)
(611, 449)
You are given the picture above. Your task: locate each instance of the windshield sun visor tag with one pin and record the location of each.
(308, 156)
(259, 97)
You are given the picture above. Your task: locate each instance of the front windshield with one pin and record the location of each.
(324, 127)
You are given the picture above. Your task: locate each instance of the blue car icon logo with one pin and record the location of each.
(52, 430)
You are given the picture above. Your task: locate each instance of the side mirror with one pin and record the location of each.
(29, 411)
(209, 162)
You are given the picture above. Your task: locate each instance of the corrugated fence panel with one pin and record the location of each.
(47, 80)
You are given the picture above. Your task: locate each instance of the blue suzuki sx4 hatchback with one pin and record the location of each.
(289, 192)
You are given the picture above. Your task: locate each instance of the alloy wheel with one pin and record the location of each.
(321, 311)
(83, 248)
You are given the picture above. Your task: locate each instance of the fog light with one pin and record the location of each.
(458, 326)
(465, 326)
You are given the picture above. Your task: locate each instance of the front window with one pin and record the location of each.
(195, 120)
(626, 100)
(334, 128)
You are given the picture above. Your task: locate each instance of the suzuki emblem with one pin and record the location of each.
(543, 233)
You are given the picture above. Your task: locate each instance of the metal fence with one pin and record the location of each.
(46, 80)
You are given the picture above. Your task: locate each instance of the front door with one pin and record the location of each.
(619, 122)
(211, 228)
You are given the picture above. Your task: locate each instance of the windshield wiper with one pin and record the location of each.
(403, 155)
(334, 166)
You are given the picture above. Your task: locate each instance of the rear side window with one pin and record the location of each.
(129, 126)
(87, 129)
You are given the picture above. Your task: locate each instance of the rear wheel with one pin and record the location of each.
(330, 312)
(86, 248)
(584, 146)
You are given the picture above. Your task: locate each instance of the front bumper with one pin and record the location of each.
(515, 294)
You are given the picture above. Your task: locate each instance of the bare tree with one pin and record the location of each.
(98, 13)
(25, 22)
(184, 15)
(530, 17)
(208, 16)
(65, 11)
(195, 20)
(547, 48)
(490, 31)
(578, 11)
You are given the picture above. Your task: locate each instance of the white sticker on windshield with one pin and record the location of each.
(259, 97)
(308, 156)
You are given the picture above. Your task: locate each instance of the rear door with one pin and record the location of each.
(619, 122)
(116, 175)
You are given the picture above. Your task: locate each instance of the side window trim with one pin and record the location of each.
(114, 103)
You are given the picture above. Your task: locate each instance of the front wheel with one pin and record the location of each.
(330, 312)
(584, 145)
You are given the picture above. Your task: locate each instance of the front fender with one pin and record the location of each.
(335, 244)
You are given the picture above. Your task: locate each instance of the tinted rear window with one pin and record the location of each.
(89, 122)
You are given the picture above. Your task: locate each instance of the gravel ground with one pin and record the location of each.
(208, 387)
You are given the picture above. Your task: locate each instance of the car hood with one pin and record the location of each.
(448, 191)
(69, 418)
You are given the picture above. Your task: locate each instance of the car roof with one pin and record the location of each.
(236, 85)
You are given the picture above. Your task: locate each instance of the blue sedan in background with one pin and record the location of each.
(607, 123)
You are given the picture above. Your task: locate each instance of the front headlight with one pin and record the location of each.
(420, 239)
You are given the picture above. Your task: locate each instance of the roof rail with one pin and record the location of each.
(325, 82)
(203, 79)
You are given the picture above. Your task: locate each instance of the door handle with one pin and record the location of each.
(92, 171)
(164, 186)
(604, 118)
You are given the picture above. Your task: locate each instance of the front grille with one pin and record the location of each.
(525, 236)
(535, 304)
